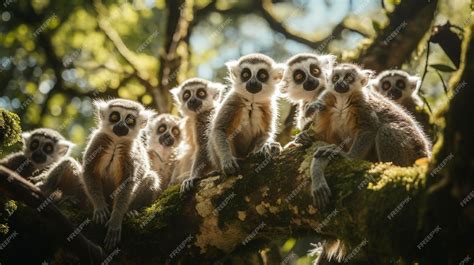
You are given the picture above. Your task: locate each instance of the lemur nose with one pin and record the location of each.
(38, 157)
(120, 129)
(253, 86)
(341, 87)
(166, 140)
(310, 84)
(394, 94)
(194, 104)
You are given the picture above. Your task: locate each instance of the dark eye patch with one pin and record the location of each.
(262, 75)
(34, 144)
(161, 128)
(48, 148)
(175, 131)
(349, 78)
(186, 95)
(400, 84)
(201, 93)
(245, 75)
(314, 70)
(114, 117)
(130, 120)
(299, 76)
(335, 78)
(386, 85)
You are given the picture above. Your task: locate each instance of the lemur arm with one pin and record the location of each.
(93, 182)
(201, 159)
(222, 121)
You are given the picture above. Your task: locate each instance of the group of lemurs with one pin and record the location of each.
(133, 153)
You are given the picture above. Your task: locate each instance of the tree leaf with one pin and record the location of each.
(442, 67)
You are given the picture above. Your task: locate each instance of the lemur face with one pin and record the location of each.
(348, 78)
(396, 85)
(164, 132)
(196, 95)
(122, 118)
(305, 76)
(255, 75)
(45, 146)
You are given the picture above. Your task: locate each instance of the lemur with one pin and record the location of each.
(41, 148)
(163, 137)
(116, 165)
(304, 79)
(403, 88)
(245, 122)
(365, 125)
(63, 181)
(197, 99)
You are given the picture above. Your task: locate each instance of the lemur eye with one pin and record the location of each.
(349, 78)
(262, 75)
(400, 84)
(162, 128)
(34, 144)
(314, 70)
(386, 85)
(335, 78)
(201, 93)
(299, 76)
(130, 120)
(48, 148)
(186, 95)
(114, 117)
(175, 131)
(245, 75)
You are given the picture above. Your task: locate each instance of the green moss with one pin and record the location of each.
(10, 130)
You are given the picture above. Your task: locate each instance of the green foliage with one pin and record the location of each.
(10, 130)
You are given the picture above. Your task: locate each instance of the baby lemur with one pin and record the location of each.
(116, 165)
(403, 88)
(197, 99)
(245, 122)
(365, 125)
(163, 137)
(41, 148)
(304, 79)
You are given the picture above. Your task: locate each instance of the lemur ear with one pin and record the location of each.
(64, 147)
(25, 136)
(328, 60)
(277, 72)
(101, 107)
(145, 116)
(367, 75)
(415, 82)
(232, 67)
(175, 92)
(217, 90)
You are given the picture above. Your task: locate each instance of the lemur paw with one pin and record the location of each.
(230, 166)
(312, 108)
(101, 214)
(114, 233)
(132, 214)
(270, 149)
(188, 184)
(303, 138)
(329, 151)
(320, 192)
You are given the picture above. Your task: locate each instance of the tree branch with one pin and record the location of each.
(16, 187)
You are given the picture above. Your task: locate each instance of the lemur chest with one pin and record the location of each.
(114, 160)
(342, 118)
(254, 119)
